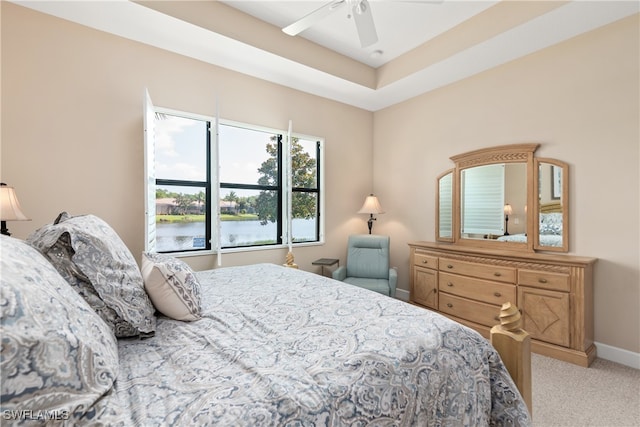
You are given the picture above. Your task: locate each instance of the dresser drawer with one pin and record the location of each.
(477, 289)
(424, 287)
(544, 280)
(546, 314)
(482, 271)
(425, 260)
(474, 311)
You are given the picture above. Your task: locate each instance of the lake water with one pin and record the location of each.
(185, 236)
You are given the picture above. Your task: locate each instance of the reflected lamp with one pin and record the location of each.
(508, 210)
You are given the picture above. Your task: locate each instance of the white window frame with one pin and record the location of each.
(149, 185)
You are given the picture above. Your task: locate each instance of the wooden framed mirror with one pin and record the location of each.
(551, 206)
(444, 206)
(499, 196)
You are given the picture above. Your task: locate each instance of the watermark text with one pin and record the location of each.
(28, 414)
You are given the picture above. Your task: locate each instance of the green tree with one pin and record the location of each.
(231, 197)
(182, 202)
(304, 176)
(161, 193)
(199, 198)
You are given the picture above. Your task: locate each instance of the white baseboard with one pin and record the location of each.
(614, 354)
(402, 295)
(618, 355)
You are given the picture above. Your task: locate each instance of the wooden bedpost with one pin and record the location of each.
(514, 346)
(290, 262)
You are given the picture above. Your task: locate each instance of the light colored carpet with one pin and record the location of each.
(606, 394)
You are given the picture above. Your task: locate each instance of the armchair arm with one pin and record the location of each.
(340, 273)
(393, 280)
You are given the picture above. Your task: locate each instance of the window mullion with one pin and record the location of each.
(280, 197)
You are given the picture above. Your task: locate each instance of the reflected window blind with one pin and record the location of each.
(483, 196)
(446, 206)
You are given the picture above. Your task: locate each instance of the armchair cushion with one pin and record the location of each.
(368, 256)
(368, 264)
(340, 273)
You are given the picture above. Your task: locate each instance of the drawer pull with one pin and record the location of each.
(449, 266)
(424, 261)
(449, 305)
(497, 274)
(497, 294)
(449, 284)
(542, 280)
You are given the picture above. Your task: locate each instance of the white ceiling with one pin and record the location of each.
(402, 25)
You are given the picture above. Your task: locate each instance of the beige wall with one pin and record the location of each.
(72, 128)
(72, 140)
(578, 99)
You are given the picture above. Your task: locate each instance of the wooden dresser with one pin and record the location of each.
(469, 285)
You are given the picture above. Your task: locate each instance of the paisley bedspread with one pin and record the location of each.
(283, 347)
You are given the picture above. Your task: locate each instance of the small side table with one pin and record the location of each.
(326, 262)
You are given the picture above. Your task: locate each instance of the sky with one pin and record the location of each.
(180, 154)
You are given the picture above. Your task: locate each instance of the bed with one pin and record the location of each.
(256, 345)
(545, 239)
(550, 227)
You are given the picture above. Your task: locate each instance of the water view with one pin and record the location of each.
(176, 236)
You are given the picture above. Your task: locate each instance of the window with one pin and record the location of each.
(183, 189)
(305, 154)
(246, 195)
(253, 182)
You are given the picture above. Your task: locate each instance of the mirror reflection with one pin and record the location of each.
(445, 206)
(550, 197)
(493, 202)
(504, 197)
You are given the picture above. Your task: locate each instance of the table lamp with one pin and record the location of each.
(371, 206)
(9, 208)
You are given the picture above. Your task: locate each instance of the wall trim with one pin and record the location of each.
(618, 355)
(402, 295)
(604, 351)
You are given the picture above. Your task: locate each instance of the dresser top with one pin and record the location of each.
(504, 254)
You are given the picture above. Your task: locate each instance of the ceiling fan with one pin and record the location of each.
(360, 10)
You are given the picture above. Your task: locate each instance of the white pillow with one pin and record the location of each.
(171, 286)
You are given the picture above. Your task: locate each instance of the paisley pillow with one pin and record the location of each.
(90, 255)
(171, 285)
(551, 223)
(58, 356)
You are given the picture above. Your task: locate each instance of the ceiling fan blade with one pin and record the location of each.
(364, 23)
(417, 1)
(313, 17)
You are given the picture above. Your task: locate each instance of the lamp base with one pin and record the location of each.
(370, 222)
(3, 229)
(290, 262)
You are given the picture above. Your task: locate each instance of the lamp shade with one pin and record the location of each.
(371, 206)
(9, 205)
(508, 210)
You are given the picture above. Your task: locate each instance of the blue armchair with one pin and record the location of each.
(368, 264)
